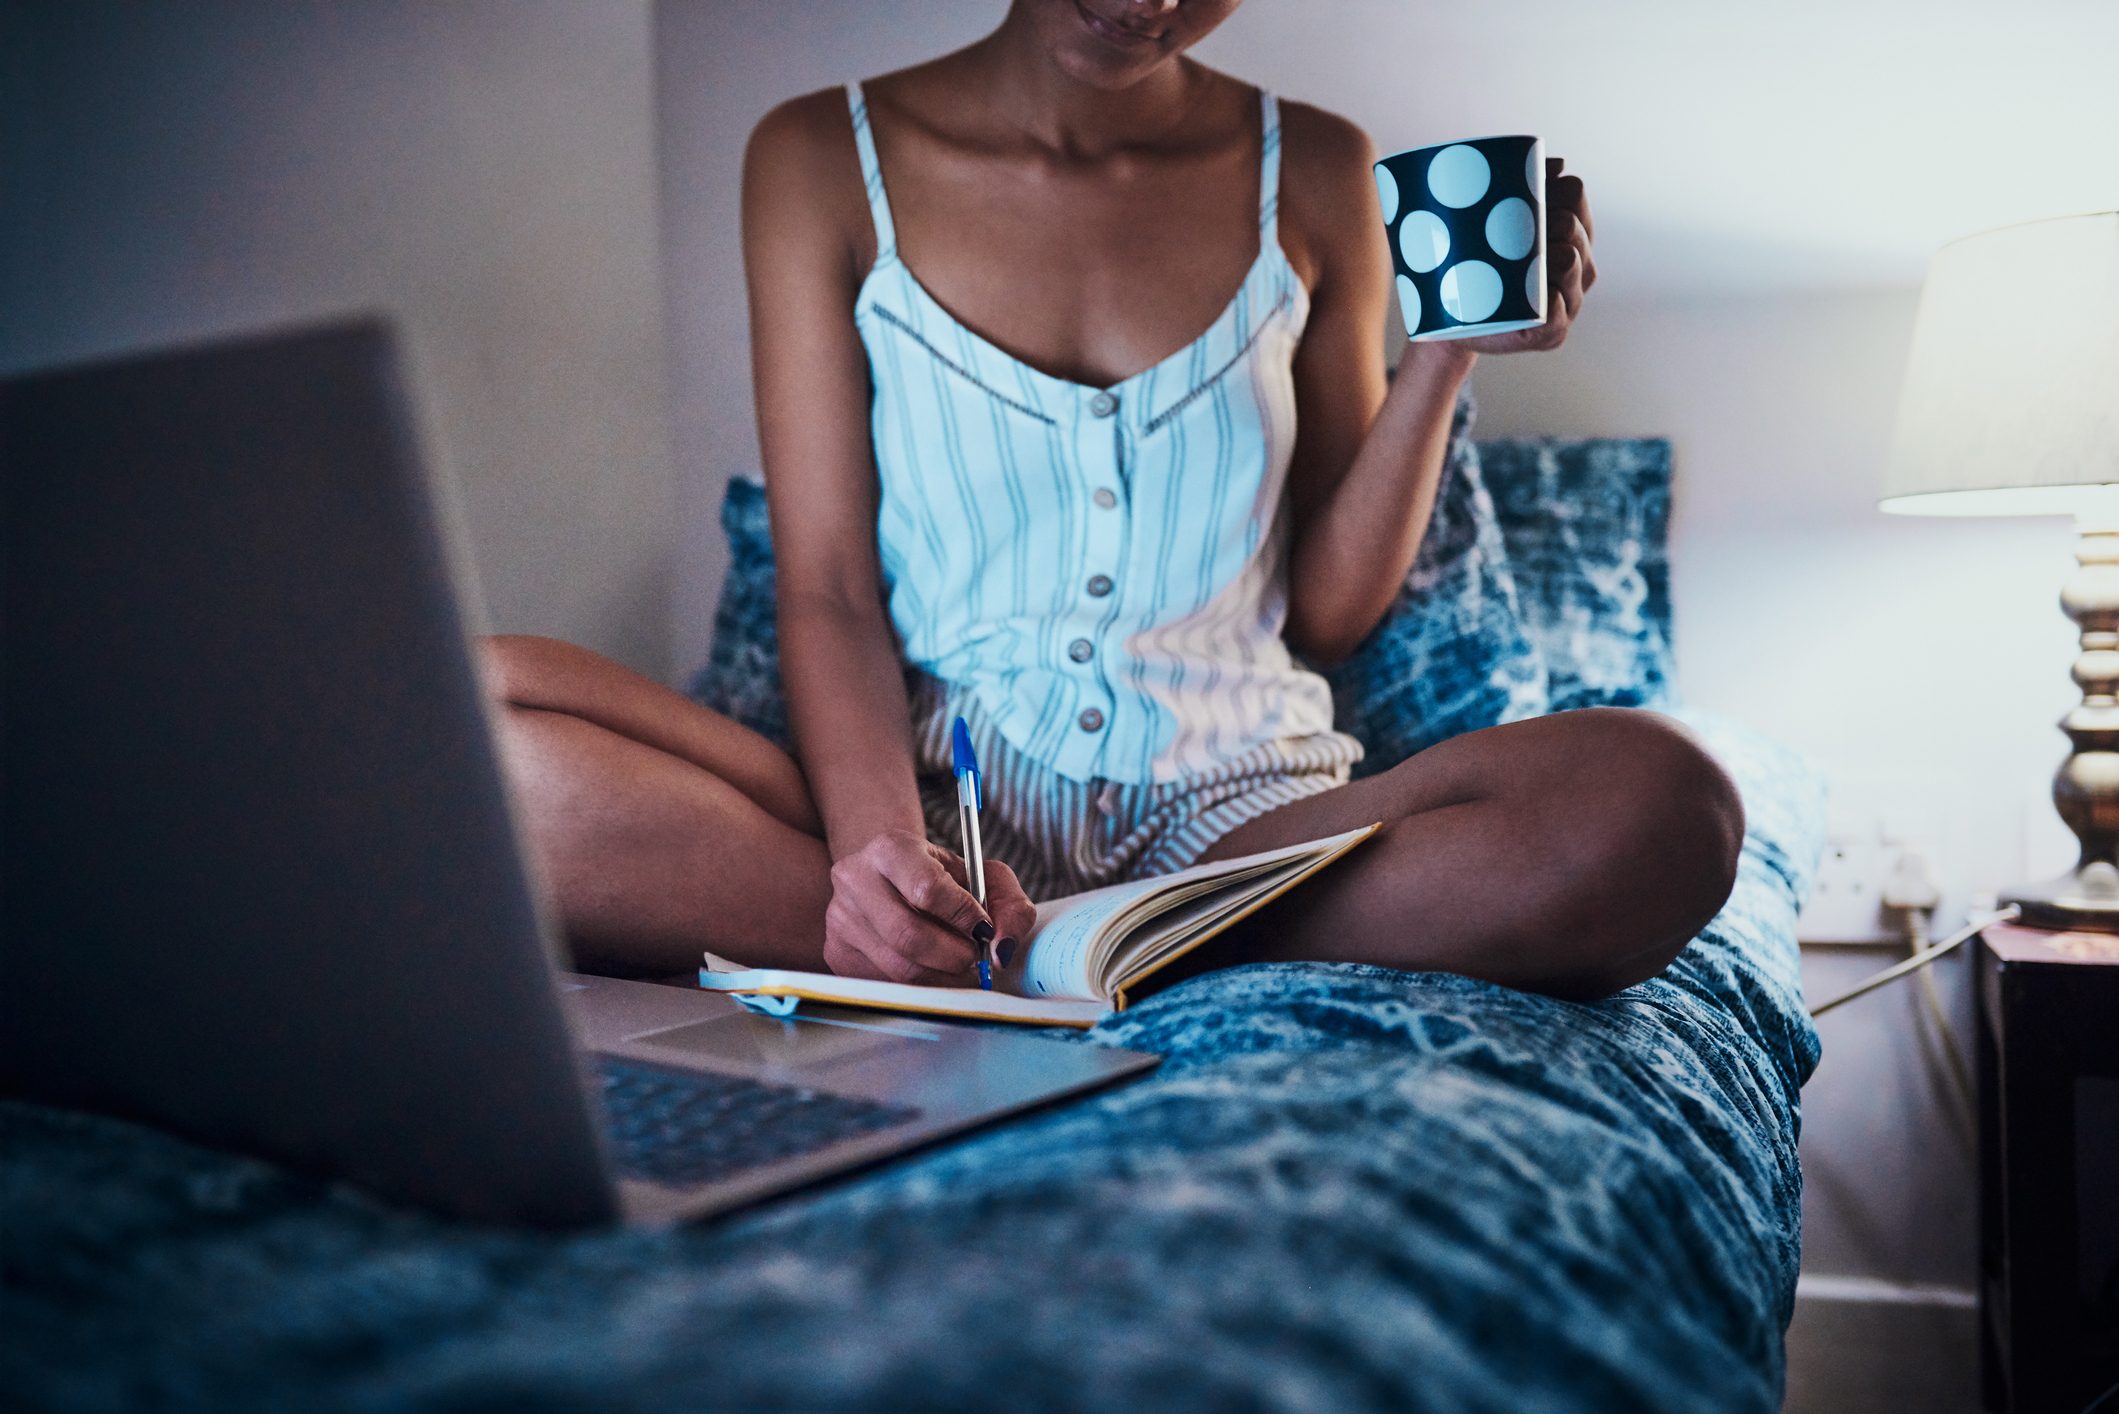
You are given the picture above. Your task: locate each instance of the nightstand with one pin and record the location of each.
(2048, 1042)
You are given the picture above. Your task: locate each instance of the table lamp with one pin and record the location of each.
(2011, 407)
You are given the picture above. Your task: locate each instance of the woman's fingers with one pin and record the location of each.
(1568, 285)
(1564, 230)
(1567, 248)
(932, 881)
(1014, 915)
(1567, 194)
(861, 953)
(853, 948)
(897, 913)
(900, 944)
(1570, 269)
(900, 911)
(1569, 233)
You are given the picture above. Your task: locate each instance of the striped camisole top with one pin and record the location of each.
(1102, 569)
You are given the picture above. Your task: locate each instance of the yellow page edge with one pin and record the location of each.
(808, 994)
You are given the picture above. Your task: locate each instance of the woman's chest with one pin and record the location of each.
(1087, 275)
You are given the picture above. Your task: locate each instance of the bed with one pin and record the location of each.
(1345, 1188)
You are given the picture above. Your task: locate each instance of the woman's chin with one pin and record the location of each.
(1096, 66)
(1087, 58)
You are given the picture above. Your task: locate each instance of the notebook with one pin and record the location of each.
(1087, 949)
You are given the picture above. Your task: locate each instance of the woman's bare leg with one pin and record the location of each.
(1573, 854)
(662, 829)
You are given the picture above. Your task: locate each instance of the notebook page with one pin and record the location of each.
(1169, 932)
(1060, 960)
(1064, 957)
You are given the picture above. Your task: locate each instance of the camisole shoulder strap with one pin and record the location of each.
(871, 174)
(1269, 169)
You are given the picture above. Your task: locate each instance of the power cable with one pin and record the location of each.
(1917, 961)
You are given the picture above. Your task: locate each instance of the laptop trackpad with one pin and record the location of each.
(746, 1039)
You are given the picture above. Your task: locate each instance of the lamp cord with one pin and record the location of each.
(1917, 961)
(1956, 1069)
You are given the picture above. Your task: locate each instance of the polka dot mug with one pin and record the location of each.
(1466, 227)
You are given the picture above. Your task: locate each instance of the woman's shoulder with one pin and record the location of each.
(1327, 192)
(814, 131)
(802, 174)
(1322, 138)
(805, 127)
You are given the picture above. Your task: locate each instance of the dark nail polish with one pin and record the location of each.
(1006, 951)
(982, 932)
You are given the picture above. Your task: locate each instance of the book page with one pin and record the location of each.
(1153, 945)
(1077, 937)
(1063, 946)
(1149, 942)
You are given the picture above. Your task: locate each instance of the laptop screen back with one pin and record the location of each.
(258, 875)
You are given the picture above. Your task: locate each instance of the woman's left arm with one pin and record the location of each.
(1367, 461)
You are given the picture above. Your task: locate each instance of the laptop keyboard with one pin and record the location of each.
(686, 1127)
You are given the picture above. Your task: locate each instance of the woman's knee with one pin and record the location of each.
(1656, 828)
(540, 753)
(510, 662)
(580, 794)
(1688, 801)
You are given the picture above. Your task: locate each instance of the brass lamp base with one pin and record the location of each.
(2084, 900)
(2086, 788)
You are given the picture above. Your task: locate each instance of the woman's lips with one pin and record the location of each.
(1112, 30)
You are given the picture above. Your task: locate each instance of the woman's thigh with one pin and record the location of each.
(661, 829)
(1575, 853)
(554, 676)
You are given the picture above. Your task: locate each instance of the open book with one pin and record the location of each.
(1087, 949)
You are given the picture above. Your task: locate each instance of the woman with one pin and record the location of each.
(1093, 497)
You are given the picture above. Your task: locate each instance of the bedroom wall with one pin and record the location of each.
(480, 171)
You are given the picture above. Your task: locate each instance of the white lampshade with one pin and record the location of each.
(2011, 399)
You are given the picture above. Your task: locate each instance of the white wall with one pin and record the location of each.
(481, 171)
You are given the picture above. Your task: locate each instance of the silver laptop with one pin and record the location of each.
(261, 883)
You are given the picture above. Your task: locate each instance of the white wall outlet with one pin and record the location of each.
(1845, 904)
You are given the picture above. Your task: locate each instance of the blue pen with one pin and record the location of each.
(969, 799)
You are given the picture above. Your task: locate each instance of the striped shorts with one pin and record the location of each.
(1064, 836)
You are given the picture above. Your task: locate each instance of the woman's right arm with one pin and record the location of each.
(899, 909)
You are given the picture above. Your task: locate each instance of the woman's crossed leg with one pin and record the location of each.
(1572, 854)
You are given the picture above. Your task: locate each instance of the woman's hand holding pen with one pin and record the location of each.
(901, 911)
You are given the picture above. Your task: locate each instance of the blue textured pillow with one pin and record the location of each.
(1450, 655)
(741, 678)
(1586, 522)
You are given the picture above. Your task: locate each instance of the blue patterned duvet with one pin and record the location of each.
(1346, 1188)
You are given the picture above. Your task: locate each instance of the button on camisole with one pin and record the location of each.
(1102, 569)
